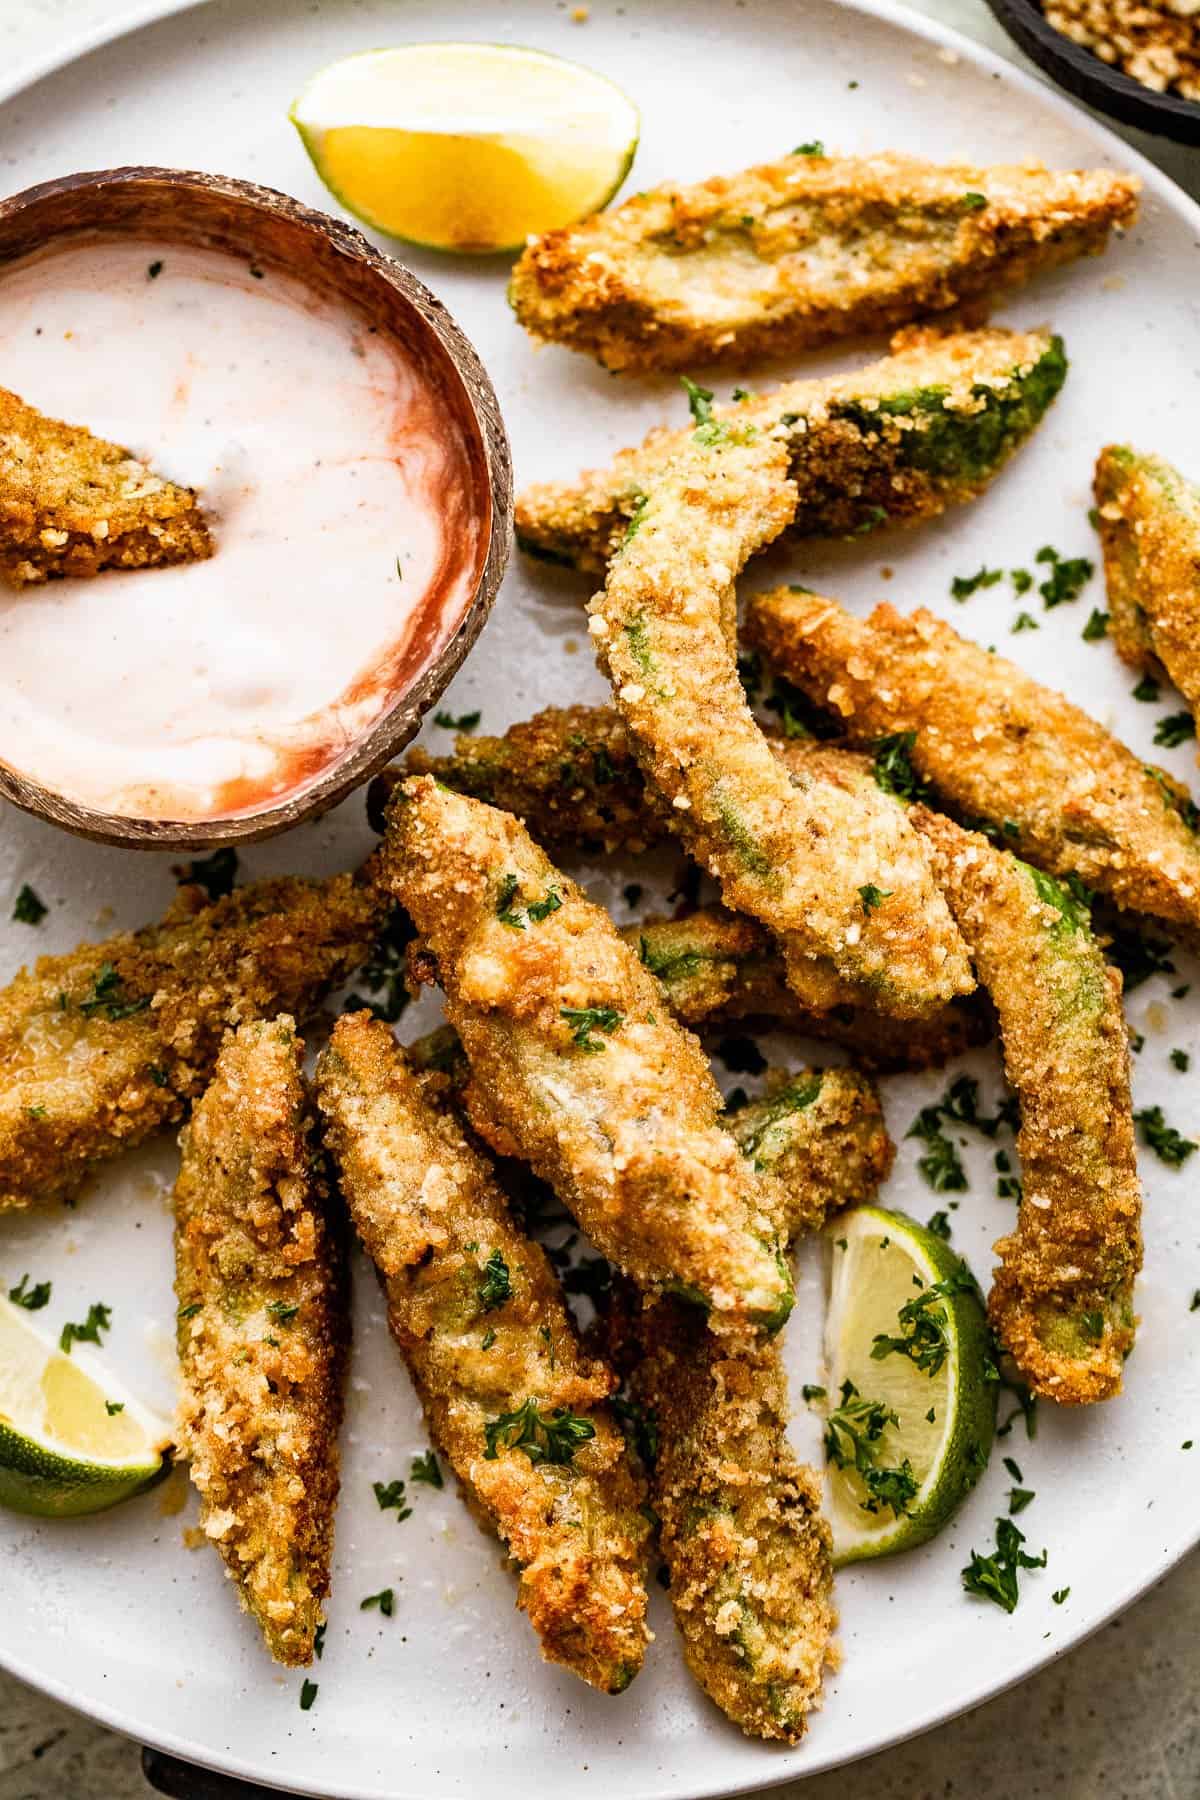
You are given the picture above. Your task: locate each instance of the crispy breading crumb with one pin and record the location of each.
(1157, 42)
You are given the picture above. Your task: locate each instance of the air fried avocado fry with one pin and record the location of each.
(995, 745)
(102, 1047)
(1149, 522)
(578, 1060)
(831, 866)
(480, 1320)
(820, 1134)
(260, 1277)
(74, 504)
(797, 253)
(746, 1548)
(1062, 1298)
(893, 443)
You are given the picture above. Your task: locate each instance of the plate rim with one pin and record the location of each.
(930, 30)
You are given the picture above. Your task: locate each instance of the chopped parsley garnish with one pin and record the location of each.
(517, 918)
(155, 270)
(1018, 1499)
(426, 1468)
(391, 1494)
(1021, 579)
(281, 1311)
(113, 1407)
(1181, 1060)
(584, 1020)
(1178, 800)
(1195, 1306)
(1174, 729)
(796, 712)
(383, 973)
(1096, 627)
(1059, 1595)
(1146, 690)
(215, 874)
(699, 400)
(939, 1224)
(973, 202)
(28, 907)
(31, 1298)
(1068, 576)
(551, 1437)
(1167, 1144)
(941, 1164)
(385, 1600)
(811, 1391)
(960, 1106)
(1025, 622)
(399, 570)
(461, 722)
(893, 768)
(740, 1055)
(1014, 1468)
(488, 1339)
(308, 1693)
(995, 1577)
(925, 1325)
(871, 896)
(495, 1288)
(852, 1435)
(99, 1319)
(107, 996)
(814, 148)
(963, 586)
(188, 1312)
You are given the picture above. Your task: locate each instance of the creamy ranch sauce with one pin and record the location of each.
(320, 455)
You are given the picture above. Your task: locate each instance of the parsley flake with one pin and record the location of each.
(495, 1288)
(1096, 627)
(461, 722)
(391, 1494)
(1174, 729)
(427, 1469)
(995, 1577)
(31, 1298)
(1167, 1144)
(28, 907)
(99, 1319)
(584, 1020)
(385, 1600)
(551, 1437)
(871, 896)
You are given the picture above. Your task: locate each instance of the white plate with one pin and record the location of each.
(115, 1615)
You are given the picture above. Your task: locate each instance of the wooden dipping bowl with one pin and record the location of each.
(257, 224)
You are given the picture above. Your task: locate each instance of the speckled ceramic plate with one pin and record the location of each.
(115, 1615)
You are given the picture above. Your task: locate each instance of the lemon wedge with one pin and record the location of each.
(72, 1440)
(466, 147)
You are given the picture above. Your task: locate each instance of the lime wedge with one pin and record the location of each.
(468, 147)
(71, 1439)
(910, 1436)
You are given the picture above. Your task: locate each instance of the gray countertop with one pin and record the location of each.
(1116, 1716)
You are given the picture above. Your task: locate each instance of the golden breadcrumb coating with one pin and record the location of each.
(578, 1061)
(893, 443)
(74, 504)
(1149, 523)
(1062, 1297)
(747, 1551)
(797, 253)
(996, 745)
(831, 866)
(264, 1327)
(101, 1047)
(821, 1134)
(480, 1320)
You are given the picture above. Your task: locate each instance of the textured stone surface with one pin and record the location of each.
(1115, 1717)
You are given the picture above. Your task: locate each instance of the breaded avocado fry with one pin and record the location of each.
(102, 1047)
(831, 866)
(578, 1060)
(746, 1548)
(1149, 523)
(893, 443)
(480, 1320)
(260, 1277)
(797, 253)
(74, 504)
(994, 745)
(1062, 1297)
(820, 1134)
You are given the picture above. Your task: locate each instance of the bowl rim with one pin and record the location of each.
(399, 723)
(1083, 74)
